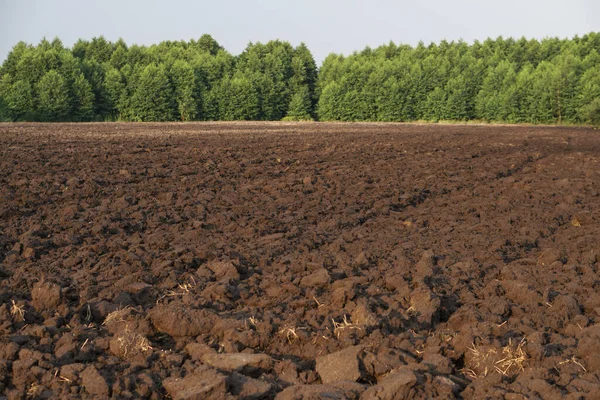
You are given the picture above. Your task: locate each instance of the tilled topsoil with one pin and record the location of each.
(299, 261)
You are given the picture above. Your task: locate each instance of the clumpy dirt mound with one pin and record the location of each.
(299, 261)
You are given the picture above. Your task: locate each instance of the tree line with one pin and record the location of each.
(197, 80)
(501, 80)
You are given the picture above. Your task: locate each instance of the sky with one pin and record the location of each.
(326, 26)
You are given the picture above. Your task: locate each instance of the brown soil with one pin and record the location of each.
(252, 260)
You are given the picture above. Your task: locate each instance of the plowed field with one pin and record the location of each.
(299, 261)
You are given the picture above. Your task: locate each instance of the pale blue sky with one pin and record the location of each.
(339, 26)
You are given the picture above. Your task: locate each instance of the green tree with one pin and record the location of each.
(459, 98)
(5, 88)
(554, 97)
(118, 58)
(9, 66)
(304, 73)
(79, 49)
(53, 97)
(130, 76)
(115, 94)
(99, 50)
(238, 98)
(209, 71)
(153, 96)
(354, 104)
(494, 101)
(31, 67)
(328, 108)
(523, 97)
(184, 85)
(19, 101)
(589, 97)
(300, 108)
(139, 55)
(432, 74)
(563, 85)
(434, 106)
(395, 101)
(541, 107)
(207, 44)
(371, 96)
(83, 100)
(269, 66)
(4, 113)
(331, 70)
(95, 74)
(590, 112)
(397, 95)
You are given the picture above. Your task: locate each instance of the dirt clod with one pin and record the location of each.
(247, 388)
(396, 385)
(238, 361)
(298, 392)
(181, 321)
(46, 296)
(203, 383)
(340, 366)
(94, 383)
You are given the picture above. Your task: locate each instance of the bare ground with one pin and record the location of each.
(262, 260)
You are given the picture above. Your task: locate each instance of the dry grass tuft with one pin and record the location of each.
(412, 311)
(339, 327)
(34, 390)
(130, 342)
(119, 315)
(480, 361)
(251, 322)
(289, 333)
(319, 304)
(574, 361)
(183, 289)
(514, 358)
(17, 312)
(509, 361)
(88, 313)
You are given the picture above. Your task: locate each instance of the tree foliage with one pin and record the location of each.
(17, 100)
(83, 99)
(501, 80)
(300, 108)
(182, 76)
(54, 102)
(153, 97)
(238, 98)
